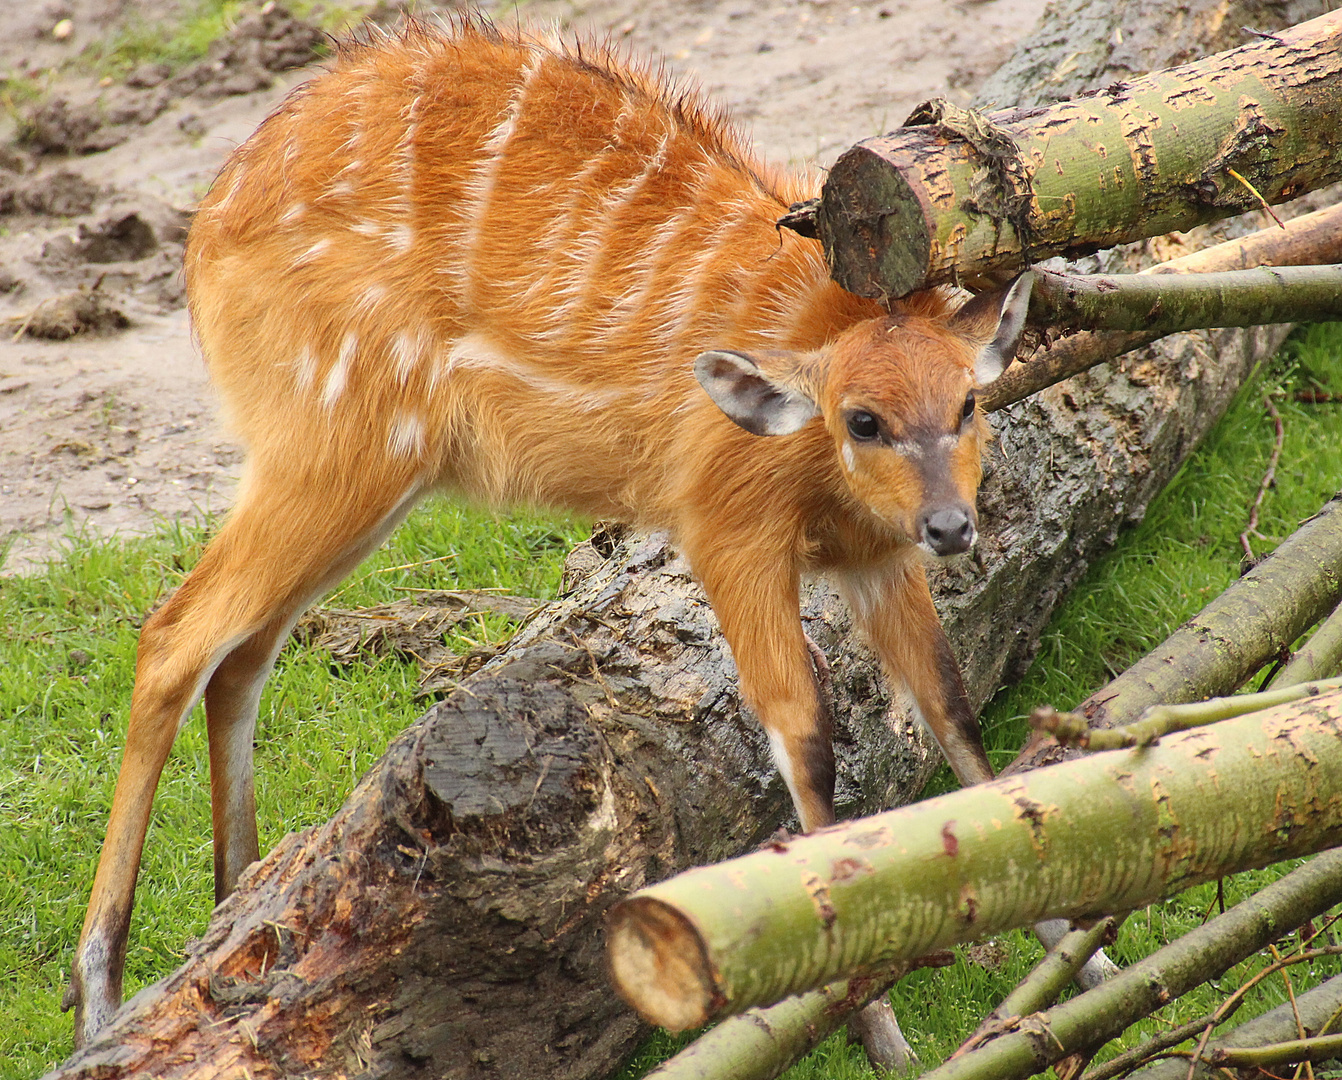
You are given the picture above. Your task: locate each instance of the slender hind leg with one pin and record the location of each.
(289, 538)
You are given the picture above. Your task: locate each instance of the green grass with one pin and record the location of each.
(67, 644)
(67, 653)
(178, 42)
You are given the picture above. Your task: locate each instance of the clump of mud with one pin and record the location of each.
(86, 311)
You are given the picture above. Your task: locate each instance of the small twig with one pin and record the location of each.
(1269, 478)
(1263, 34)
(1234, 1000)
(1041, 987)
(1153, 1048)
(1320, 1048)
(1259, 196)
(1295, 1010)
(1073, 729)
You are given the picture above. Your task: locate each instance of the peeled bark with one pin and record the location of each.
(449, 920)
(963, 196)
(1234, 796)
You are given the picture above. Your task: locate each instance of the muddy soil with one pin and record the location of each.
(107, 422)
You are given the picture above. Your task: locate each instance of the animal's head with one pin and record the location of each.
(897, 396)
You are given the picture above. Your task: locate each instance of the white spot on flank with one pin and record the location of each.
(370, 298)
(313, 251)
(400, 238)
(406, 437)
(339, 373)
(293, 213)
(305, 368)
(849, 462)
(406, 350)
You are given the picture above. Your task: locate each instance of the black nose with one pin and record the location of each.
(948, 531)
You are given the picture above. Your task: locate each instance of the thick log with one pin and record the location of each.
(449, 921)
(1237, 795)
(967, 197)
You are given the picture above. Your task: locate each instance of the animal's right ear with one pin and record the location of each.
(758, 403)
(996, 320)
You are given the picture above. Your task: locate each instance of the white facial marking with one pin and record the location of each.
(336, 377)
(849, 461)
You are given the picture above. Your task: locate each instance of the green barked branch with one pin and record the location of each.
(1168, 303)
(850, 900)
(967, 197)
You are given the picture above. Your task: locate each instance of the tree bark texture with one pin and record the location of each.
(1227, 641)
(967, 197)
(717, 940)
(1164, 303)
(1308, 240)
(448, 922)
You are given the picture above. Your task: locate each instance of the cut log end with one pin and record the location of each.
(659, 965)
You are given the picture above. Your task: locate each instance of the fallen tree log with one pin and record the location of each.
(857, 897)
(448, 921)
(967, 197)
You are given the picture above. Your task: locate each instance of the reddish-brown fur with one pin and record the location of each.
(478, 261)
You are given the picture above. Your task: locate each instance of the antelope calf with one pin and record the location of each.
(528, 272)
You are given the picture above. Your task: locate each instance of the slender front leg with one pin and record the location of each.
(756, 601)
(758, 607)
(893, 610)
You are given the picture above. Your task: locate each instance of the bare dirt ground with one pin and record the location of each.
(107, 422)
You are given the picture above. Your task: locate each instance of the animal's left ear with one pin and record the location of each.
(997, 319)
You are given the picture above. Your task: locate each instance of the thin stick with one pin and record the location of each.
(1073, 729)
(1259, 196)
(1269, 478)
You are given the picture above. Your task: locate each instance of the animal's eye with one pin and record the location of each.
(862, 425)
(968, 410)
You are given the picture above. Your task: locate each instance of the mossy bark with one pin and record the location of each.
(1167, 303)
(970, 197)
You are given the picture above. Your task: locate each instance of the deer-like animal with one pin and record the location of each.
(529, 272)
